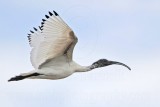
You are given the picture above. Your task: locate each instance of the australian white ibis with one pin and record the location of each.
(52, 48)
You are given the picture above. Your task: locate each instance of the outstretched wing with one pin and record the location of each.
(54, 38)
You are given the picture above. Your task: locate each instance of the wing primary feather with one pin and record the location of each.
(43, 20)
(31, 31)
(42, 23)
(29, 38)
(47, 16)
(50, 13)
(56, 14)
(40, 27)
(34, 28)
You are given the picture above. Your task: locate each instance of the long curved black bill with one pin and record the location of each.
(119, 63)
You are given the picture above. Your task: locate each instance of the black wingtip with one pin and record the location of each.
(55, 13)
(29, 38)
(50, 13)
(31, 31)
(43, 20)
(40, 27)
(47, 16)
(42, 23)
(34, 28)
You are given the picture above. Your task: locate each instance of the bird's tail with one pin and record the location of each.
(23, 76)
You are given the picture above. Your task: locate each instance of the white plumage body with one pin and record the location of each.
(58, 68)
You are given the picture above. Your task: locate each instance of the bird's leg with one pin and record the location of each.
(21, 77)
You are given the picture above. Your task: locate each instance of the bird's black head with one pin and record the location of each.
(105, 62)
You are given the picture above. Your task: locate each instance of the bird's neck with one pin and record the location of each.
(83, 69)
(79, 68)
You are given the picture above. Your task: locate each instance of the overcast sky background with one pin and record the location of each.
(123, 30)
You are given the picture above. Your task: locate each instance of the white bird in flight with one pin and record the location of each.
(52, 48)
